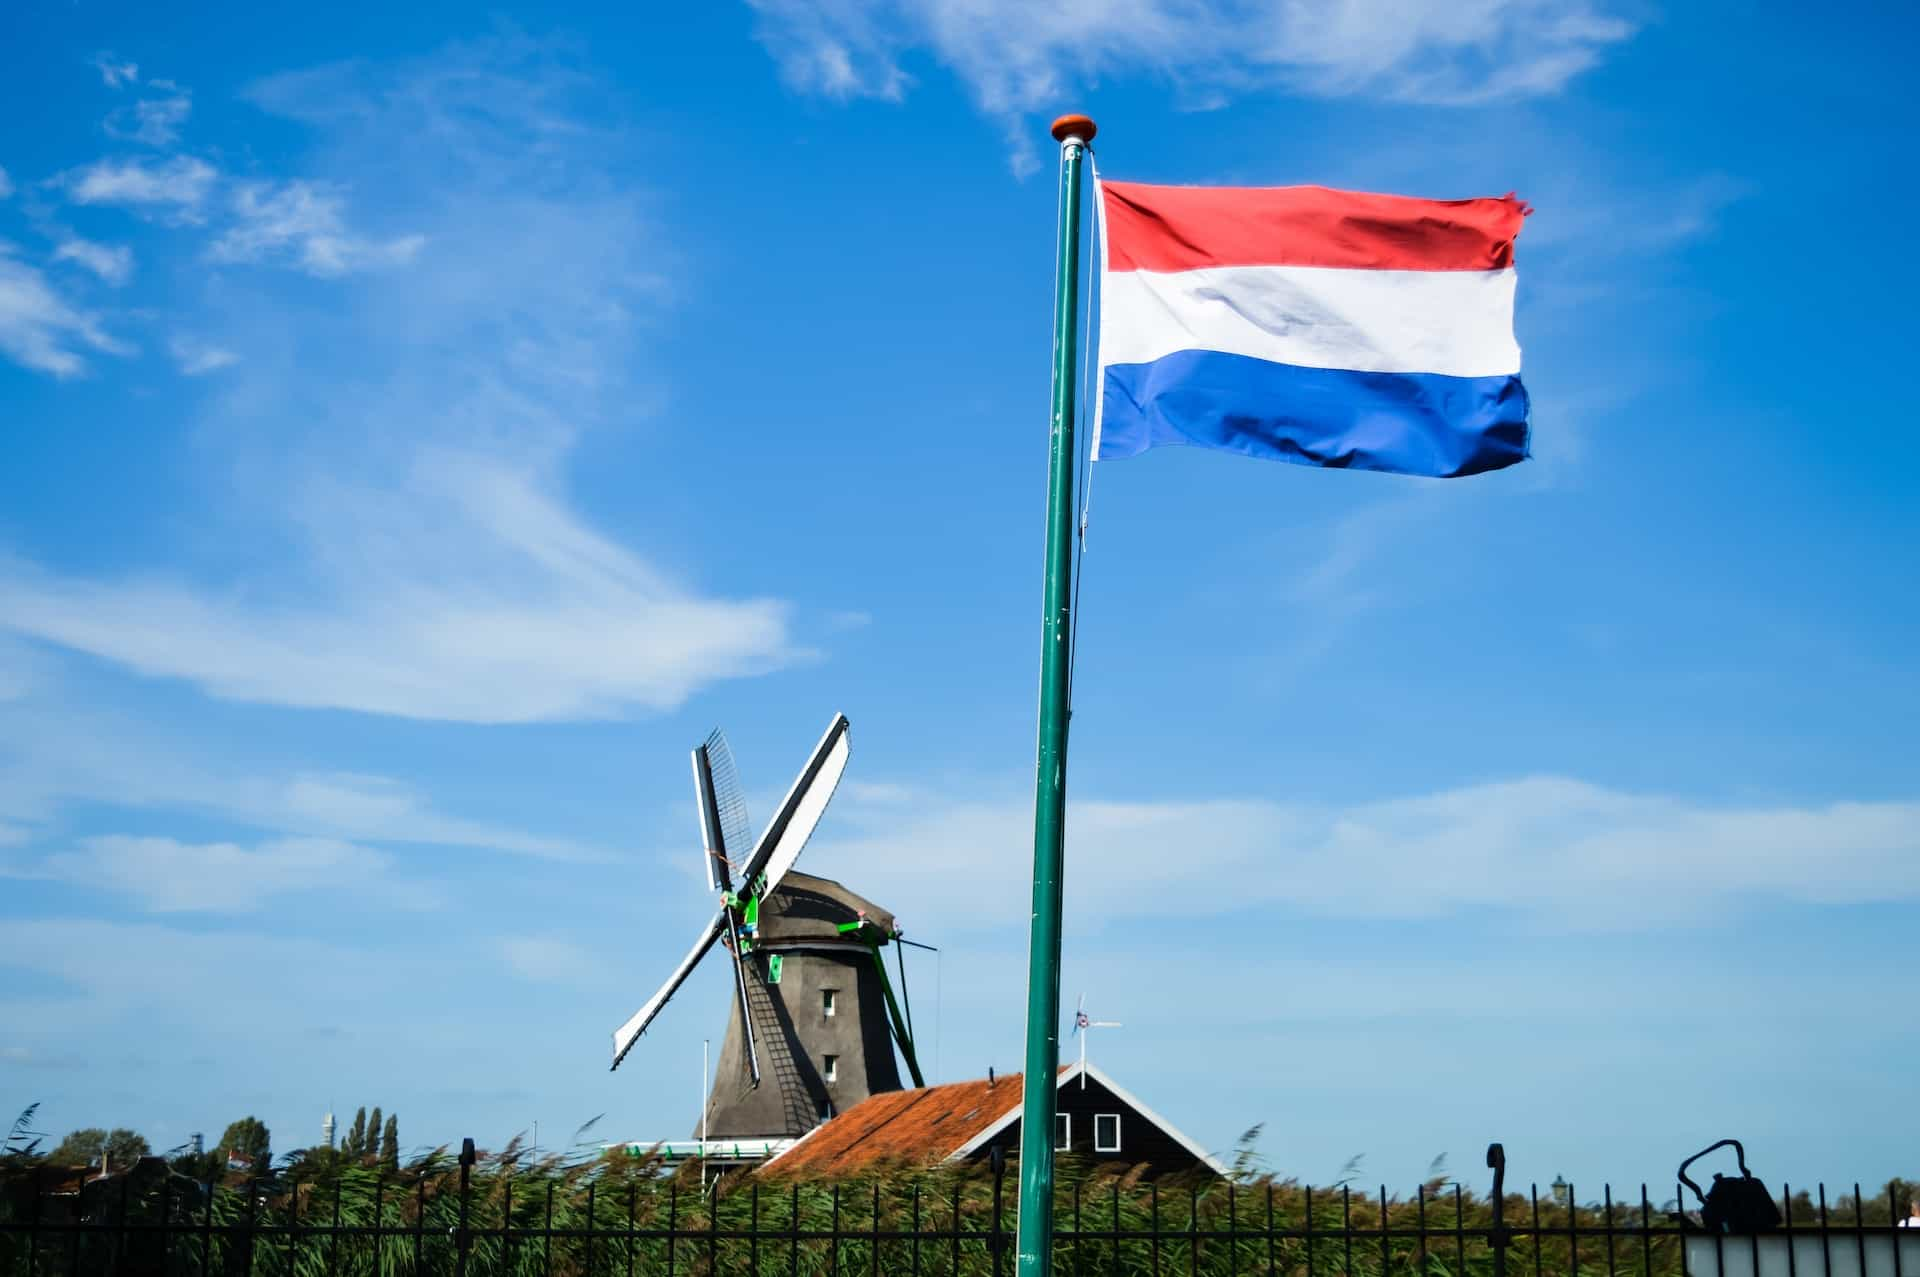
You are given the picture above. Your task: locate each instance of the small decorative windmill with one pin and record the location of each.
(1081, 1027)
(809, 983)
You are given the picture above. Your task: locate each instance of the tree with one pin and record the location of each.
(126, 1147)
(248, 1136)
(121, 1147)
(81, 1148)
(356, 1141)
(390, 1144)
(372, 1147)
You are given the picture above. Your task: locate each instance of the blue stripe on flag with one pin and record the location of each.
(1405, 423)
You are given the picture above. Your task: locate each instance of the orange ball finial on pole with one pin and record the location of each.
(1074, 126)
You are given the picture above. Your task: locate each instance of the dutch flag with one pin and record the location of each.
(1321, 327)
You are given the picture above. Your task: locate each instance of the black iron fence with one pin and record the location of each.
(611, 1217)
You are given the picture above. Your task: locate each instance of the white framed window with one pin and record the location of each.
(828, 999)
(831, 1068)
(1062, 1132)
(1106, 1132)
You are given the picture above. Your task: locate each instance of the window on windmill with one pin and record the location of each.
(831, 1071)
(827, 999)
(1106, 1132)
(1062, 1132)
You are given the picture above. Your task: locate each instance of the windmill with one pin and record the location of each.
(812, 1004)
(1081, 1027)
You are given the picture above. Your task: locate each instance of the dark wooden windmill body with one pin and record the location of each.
(823, 1023)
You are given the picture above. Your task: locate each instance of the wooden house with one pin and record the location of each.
(1098, 1120)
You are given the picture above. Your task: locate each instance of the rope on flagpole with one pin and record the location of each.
(1085, 442)
(1087, 388)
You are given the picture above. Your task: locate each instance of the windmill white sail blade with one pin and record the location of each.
(740, 979)
(627, 1034)
(793, 822)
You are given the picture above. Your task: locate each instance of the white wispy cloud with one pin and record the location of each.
(170, 876)
(197, 358)
(121, 968)
(1552, 850)
(6, 184)
(177, 186)
(417, 472)
(40, 329)
(111, 262)
(302, 223)
(475, 596)
(151, 121)
(22, 670)
(115, 72)
(55, 755)
(545, 958)
(1019, 58)
(1601, 220)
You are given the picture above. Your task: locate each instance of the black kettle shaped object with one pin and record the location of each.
(1740, 1205)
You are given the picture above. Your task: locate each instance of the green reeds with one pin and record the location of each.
(615, 1214)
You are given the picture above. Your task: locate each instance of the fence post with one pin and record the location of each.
(74, 1236)
(460, 1237)
(166, 1222)
(117, 1252)
(1497, 1237)
(419, 1223)
(591, 1187)
(673, 1219)
(33, 1224)
(253, 1202)
(293, 1224)
(206, 1223)
(997, 1162)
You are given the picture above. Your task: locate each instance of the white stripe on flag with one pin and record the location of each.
(1459, 323)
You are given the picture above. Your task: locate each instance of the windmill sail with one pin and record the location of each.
(627, 1034)
(713, 842)
(793, 823)
(729, 804)
(746, 1007)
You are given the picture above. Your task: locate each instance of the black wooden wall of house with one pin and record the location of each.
(1141, 1140)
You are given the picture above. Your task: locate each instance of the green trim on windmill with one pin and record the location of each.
(901, 1034)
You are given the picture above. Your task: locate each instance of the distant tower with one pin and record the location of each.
(326, 1129)
(199, 1145)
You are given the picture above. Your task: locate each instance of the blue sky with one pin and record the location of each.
(421, 429)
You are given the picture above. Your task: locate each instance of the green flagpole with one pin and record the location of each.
(1035, 1256)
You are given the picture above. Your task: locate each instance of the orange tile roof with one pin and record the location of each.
(912, 1127)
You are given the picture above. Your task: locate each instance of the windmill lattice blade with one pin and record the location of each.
(627, 1034)
(713, 843)
(787, 833)
(730, 800)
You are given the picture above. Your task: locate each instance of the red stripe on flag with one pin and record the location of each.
(1172, 228)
